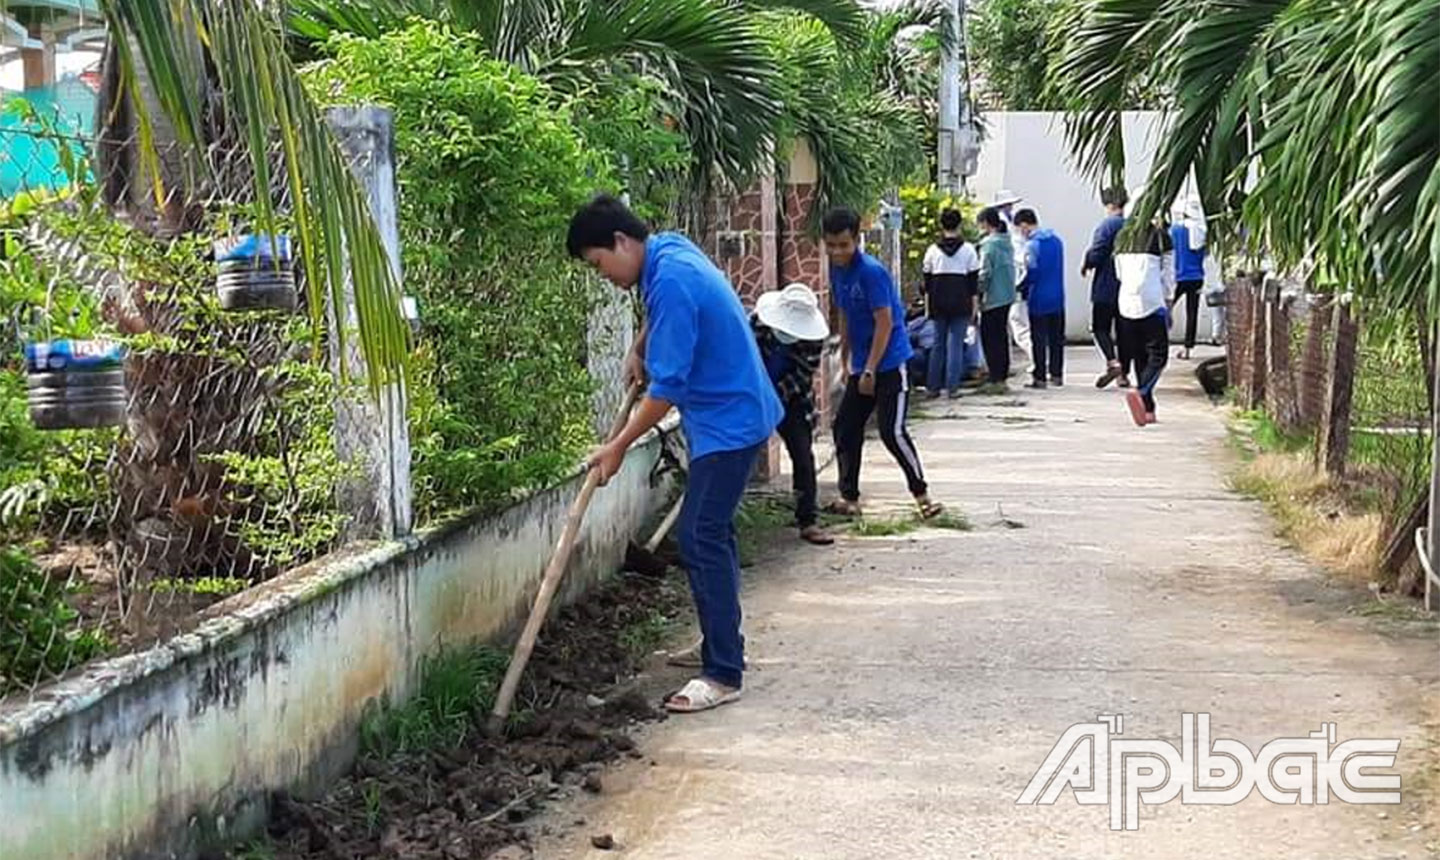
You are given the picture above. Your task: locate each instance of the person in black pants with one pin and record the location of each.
(1044, 290)
(1105, 290)
(1146, 282)
(875, 345)
(997, 294)
(791, 332)
(1187, 235)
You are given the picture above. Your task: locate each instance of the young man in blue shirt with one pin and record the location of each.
(1044, 287)
(1105, 290)
(874, 338)
(1187, 234)
(700, 357)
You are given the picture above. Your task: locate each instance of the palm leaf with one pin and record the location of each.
(262, 93)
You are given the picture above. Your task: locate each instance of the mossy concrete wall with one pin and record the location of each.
(160, 753)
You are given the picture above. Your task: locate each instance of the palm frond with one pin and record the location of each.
(263, 95)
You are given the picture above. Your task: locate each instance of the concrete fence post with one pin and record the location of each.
(371, 432)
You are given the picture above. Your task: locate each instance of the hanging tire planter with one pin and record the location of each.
(75, 384)
(256, 272)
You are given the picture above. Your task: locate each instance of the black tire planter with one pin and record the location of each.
(1214, 375)
(256, 274)
(74, 385)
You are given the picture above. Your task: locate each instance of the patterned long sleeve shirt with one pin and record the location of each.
(791, 366)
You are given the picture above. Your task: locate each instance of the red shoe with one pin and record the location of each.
(1137, 407)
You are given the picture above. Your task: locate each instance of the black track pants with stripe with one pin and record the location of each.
(892, 395)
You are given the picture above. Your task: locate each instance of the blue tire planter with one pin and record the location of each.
(75, 384)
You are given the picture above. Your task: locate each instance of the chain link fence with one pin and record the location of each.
(1349, 386)
(168, 423)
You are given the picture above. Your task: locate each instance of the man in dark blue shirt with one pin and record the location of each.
(1105, 289)
(701, 358)
(875, 339)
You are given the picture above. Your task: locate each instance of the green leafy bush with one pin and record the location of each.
(38, 633)
(491, 165)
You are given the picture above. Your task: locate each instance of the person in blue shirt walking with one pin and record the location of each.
(875, 340)
(1105, 290)
(700, 357)
(1187, 234)
(1044, 287)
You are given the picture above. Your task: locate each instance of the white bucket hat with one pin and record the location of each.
(794, 311)
(1005, 197)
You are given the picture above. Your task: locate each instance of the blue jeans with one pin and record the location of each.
(947, 357)
(706, 532)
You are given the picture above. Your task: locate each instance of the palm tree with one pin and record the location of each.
(1309, 124)
(190, 72)
(709, 54)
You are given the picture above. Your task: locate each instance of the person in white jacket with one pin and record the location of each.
(1147, 280)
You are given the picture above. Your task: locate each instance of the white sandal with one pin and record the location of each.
(700, 695)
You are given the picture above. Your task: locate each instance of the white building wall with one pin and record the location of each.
(1025, 152)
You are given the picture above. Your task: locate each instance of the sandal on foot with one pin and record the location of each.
(687, 659)
(843, 508)
(929, 509)
(700, 694)
(1137, 407)
(816, 535)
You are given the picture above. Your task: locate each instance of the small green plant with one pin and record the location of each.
(951, 520)
(219, 586)
(372, 796)
(644, 635)
(455, 686)
(884, 527)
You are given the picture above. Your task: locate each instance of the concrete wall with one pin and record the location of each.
(152, 755)
(1026, 153)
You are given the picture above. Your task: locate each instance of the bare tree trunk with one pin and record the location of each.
(1333, 440)
(1312, 360)
(1280, 398)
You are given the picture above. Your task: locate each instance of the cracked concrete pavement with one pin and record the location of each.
(903, 690)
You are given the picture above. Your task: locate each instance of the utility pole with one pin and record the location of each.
(955, 144)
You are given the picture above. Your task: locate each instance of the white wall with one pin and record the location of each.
(1025, 152)
(163, 752)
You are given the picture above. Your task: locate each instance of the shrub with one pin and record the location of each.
(490, 167)
(38, 635)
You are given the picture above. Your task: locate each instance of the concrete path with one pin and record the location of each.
(904, 690)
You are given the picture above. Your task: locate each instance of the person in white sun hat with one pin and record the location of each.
(791, 331)
(1019, 322)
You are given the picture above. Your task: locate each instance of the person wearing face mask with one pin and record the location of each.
(791, 332)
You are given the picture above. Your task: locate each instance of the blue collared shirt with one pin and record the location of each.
(859, 290)
(701, 354)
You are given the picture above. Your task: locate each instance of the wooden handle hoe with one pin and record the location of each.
(550, 583)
